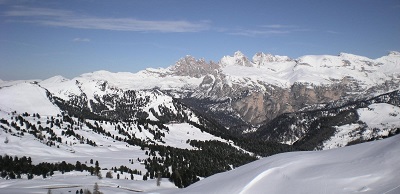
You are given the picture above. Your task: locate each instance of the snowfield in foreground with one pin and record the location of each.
(372, 167)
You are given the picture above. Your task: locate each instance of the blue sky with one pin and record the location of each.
(40, 39)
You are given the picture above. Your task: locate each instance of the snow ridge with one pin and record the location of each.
(365, 168)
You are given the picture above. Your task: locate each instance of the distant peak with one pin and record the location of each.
(394, 53)
(238, 53)
(188, 61)
(187, 57)
(237, 59)
(344, 54)
(55, 79)
(261, 58)
(96, 73)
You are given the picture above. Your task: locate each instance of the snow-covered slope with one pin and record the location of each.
(376, 120)
(146, 79)
(312, 69)
(365, 168)
(26, 97)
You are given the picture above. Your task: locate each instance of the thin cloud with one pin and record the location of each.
(259, 32)
(81, 40)
(63, 18)
(268, 30)
(278, 26)
(21, 11)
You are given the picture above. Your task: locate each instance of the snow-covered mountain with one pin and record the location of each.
(240, 94)
(177, 121)
(243, 93)
(267, 86)
(331, 127)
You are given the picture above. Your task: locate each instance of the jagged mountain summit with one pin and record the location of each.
(243, 92)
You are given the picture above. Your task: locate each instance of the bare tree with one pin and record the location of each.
(109, 175)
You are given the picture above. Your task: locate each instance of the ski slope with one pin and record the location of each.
(372, 167)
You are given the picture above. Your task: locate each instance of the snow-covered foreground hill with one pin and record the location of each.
(372, 167)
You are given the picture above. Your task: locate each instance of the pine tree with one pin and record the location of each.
(158, 178)
(12, 175)
(78, 166)
(97, 168)
(96, 189)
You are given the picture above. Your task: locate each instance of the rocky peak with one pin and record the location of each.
(237, 59)
(189, 66)
(261, 58)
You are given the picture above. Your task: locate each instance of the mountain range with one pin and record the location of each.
(168, 118)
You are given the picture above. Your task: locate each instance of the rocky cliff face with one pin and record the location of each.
(329, 127)
(189, 66)
(267, 86)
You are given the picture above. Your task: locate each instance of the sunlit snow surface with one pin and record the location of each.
(181, 132)
(26, 97)
(372, 167)
(311, 69)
